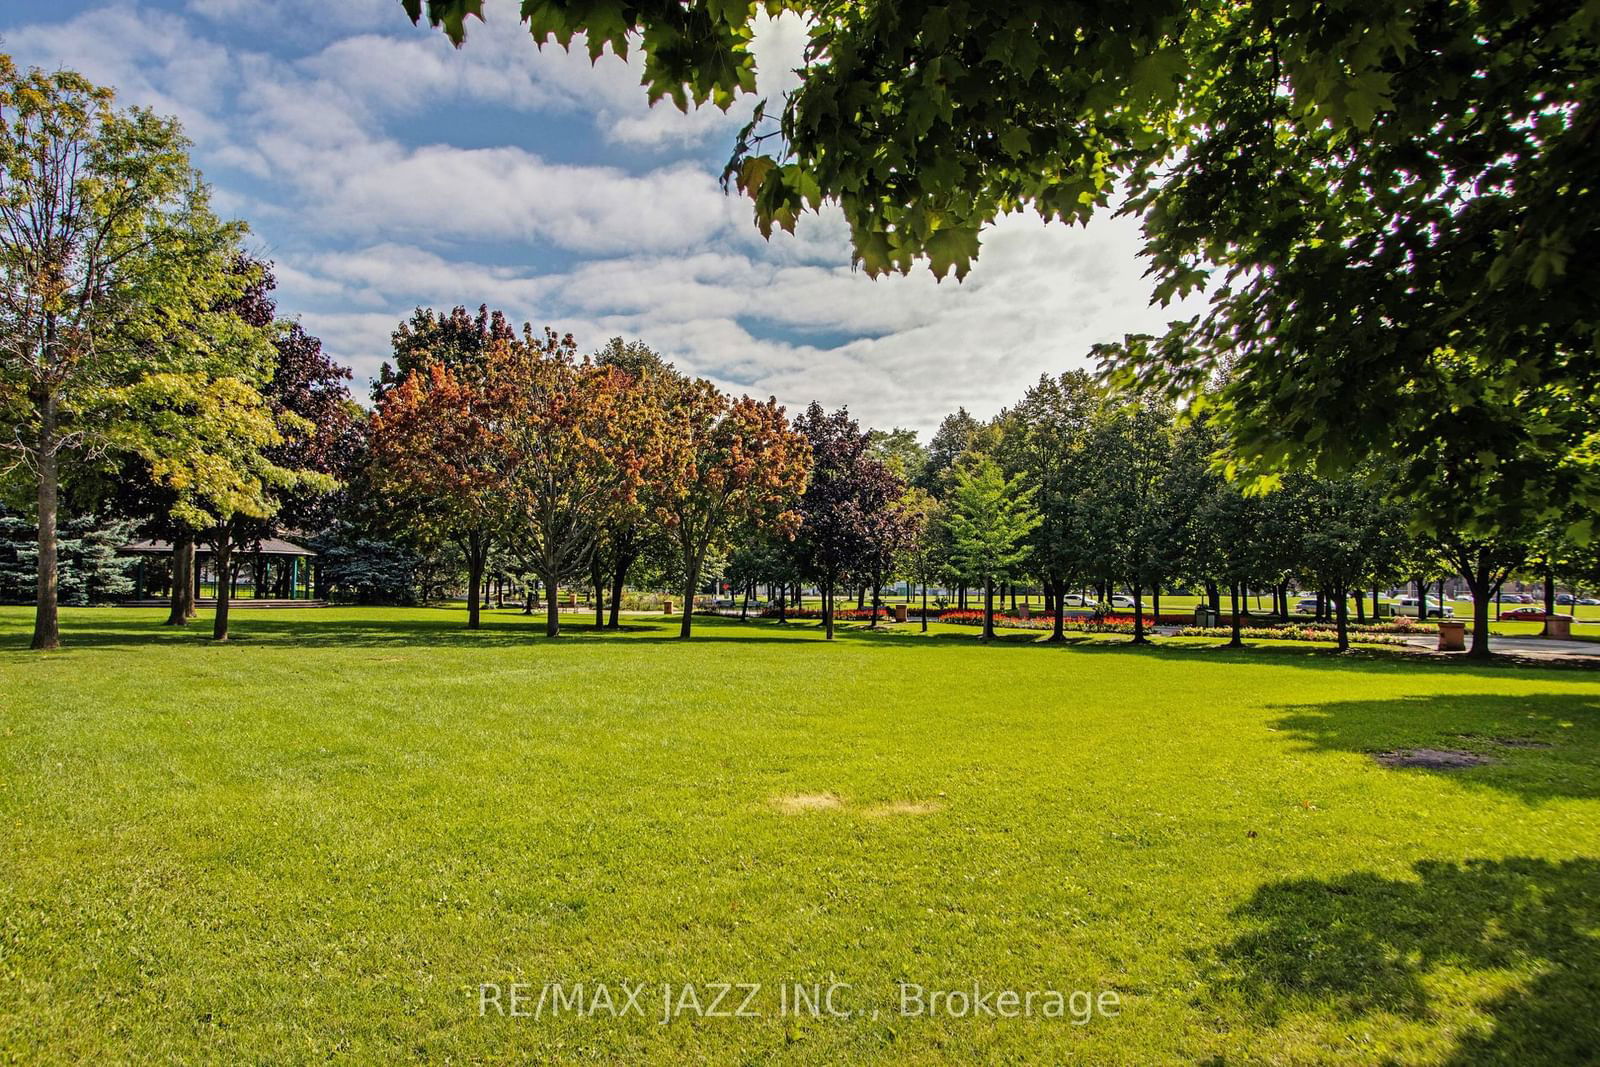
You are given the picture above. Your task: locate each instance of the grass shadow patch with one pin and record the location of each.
(1362, 945)
(1555, 738)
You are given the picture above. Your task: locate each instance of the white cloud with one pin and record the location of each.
(367, 218)
(1038, 298)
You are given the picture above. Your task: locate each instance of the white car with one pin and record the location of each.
(1074, 600)
(1306, 606)
(1407, 605)
(1120, 601)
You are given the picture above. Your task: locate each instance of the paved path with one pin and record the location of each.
(1540, 648)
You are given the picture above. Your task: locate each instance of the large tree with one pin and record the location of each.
(210, 442)
(1048, 441)
(1348, 532)
(727, 464)
(1129, 451)
(991, 518)
(106, 242)
(632, 529)
(579, 450)
(851, 524)
(439, 455)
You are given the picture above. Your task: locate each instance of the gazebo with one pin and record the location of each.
(279, 574)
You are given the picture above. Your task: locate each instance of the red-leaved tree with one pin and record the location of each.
(726, 464)
(440, 454)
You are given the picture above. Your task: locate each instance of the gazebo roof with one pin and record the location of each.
(270, 546)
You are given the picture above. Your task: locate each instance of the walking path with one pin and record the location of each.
(1583, 653)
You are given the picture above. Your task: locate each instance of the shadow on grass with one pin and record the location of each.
(1363, 945)
(1543, 746)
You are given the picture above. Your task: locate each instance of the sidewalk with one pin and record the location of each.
(1583, 653)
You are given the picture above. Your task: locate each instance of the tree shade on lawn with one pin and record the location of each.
(1203, 832)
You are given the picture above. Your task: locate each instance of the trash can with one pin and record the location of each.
(1452, 636)
(1558, 627)
(1205, 617)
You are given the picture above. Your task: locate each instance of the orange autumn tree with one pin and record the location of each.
(582, 444)
(726, 464)
(441, 457)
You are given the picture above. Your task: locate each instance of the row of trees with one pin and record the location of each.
(572, 466)
(1083, 486)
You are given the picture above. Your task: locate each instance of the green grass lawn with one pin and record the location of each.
(317, 842)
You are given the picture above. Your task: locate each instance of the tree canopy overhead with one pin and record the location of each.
(1391, 203)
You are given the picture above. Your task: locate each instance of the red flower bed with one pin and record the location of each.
(1112, 624)
(839, 614)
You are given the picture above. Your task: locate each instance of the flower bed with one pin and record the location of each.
(839, 614)
(1297, 633)
(1111, 624)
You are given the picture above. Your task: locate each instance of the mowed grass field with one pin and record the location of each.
(319, 842)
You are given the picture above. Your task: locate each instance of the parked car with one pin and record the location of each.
(1465, 594)
(1305, 606)
(1589, 602)
(1564, 598)
(1074, 600)
(1120, 601)
(1526, 614)
(1407, 605)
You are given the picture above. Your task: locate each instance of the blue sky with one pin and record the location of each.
(380, 169)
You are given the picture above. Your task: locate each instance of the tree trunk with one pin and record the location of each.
(477, 549)
(1549, 596)
(182, 581)
(827, 611)
(1059, 611)
(552, 607)
(877, 581)
(46, 617)
(222, 555)
(691, 583)
(744, 605)
(783, 603)
(1138, 614)
(1236, 639)
(924, 607)
(1155, 604)
(1214, 595)
(1341, 612)
(988, 608)
(619, 577)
